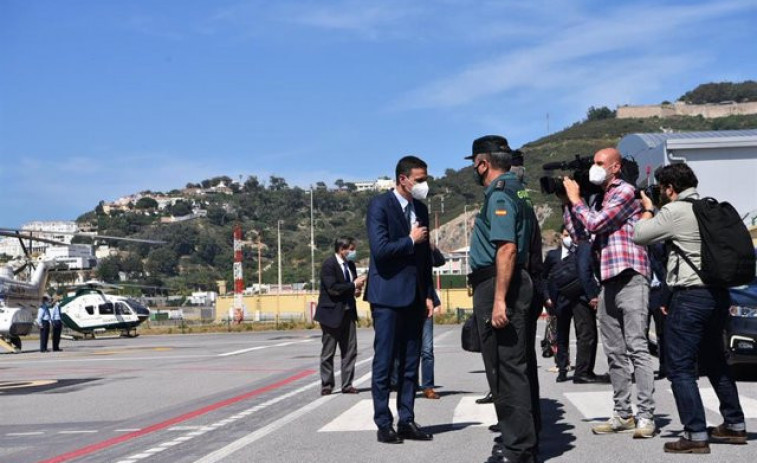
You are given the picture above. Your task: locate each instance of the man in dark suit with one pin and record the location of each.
(572, 290)
(337, 314)
(401, 293)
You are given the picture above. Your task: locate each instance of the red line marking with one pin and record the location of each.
(170, 422)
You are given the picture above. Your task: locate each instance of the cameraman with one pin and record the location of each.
(624, 272)
(696, 319)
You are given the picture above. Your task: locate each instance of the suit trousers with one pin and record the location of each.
(585, 321)
(57, 329)
(345, 336)
(506, 362)
(44, 335)
(397, 334)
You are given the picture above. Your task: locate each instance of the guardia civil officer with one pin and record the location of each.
(502, 294)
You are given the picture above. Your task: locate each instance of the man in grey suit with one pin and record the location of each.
(337, 314)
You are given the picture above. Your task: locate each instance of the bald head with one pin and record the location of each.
(610, 160)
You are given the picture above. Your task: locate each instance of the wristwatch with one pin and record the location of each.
(651, 211)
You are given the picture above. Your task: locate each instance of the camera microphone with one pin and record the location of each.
(553, 165)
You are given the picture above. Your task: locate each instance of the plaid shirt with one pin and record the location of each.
(613, 226)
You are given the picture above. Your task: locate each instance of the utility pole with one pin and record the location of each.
(312, 244)
(278, 238)
(465, 233)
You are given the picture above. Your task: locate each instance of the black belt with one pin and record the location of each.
(689, 288)
(480, 275)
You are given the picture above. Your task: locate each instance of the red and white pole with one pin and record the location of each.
(238, 280)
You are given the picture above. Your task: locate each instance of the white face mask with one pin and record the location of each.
(567, 241)
(352, 255)
(420, 190)
(597, 175)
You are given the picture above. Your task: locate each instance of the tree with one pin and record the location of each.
(277, 183)
(252, 184)
(339, 183)
(162, 261)
(108, 268)
(350, 186)
(320, 185)
(146, 203)
(598, 114)
(180, 208)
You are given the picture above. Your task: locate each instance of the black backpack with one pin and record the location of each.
(564, 277)
(728, 257)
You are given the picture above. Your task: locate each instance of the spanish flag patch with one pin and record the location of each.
(500, 212)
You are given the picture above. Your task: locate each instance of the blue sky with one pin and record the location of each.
(99, 99)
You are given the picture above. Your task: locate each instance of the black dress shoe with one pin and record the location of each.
(412, 431)
(388, 436)
(494, 427)
(586, 379)
(487, 399)
(562, 377)
(603, 378)
(326, 391)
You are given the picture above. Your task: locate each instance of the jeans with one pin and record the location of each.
(694, 328)
(427, 354)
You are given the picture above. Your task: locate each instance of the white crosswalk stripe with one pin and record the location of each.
(469, 413)
(592, 405)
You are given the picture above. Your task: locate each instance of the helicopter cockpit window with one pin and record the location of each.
(106, 309)
(90, 309)
(122, 309)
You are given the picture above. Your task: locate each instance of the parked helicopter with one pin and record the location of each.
(90, 310)
(19, 300)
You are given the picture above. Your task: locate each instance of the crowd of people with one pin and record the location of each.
(612, 268)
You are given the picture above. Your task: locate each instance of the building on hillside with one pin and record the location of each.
(57, 230)
(708, 111)
(380, 184)
(75, 256)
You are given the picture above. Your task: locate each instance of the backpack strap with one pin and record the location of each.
(686, 259)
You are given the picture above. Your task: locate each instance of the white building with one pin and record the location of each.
(75, 256)
(54, 230)
(380, 184)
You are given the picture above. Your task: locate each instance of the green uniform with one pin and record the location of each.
(502, 218)
(505, 217)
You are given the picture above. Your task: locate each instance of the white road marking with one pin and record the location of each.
(83, 431)
(126, 430)
(20, 434)
(357, 418)
(250, 349)
(595, 405)
(469, 413)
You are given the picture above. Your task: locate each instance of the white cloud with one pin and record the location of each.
(626, 33)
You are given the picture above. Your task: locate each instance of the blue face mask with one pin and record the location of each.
(352, 255)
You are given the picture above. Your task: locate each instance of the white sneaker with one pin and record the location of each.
(614, 425)
(645, 428)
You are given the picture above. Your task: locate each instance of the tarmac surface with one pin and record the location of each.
(256, 397)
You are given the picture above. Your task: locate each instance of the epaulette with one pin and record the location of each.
(500, 184)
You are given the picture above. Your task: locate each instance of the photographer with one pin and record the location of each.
(624, 273)
(696, 317)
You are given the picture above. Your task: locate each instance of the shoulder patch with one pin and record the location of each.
(500, 185)
(500, 212)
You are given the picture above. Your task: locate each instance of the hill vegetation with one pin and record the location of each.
(199, 252)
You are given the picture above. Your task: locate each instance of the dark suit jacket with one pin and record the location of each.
(337, 296)
(399, 273)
